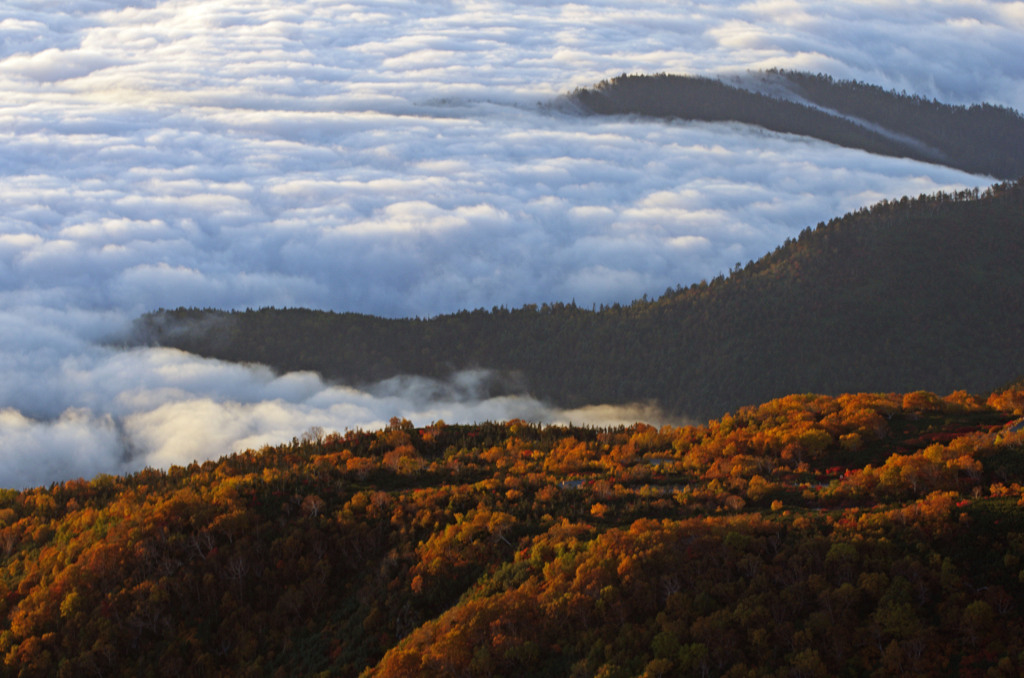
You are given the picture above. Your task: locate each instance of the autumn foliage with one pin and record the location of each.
(860, 535)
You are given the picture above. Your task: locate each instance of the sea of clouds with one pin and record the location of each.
(395, 158)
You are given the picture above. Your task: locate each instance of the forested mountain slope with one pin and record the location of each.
(862, 535)
(913, 294)
(982, 138)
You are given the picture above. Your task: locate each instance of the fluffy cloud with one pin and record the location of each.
(401, 158)
(161, 407)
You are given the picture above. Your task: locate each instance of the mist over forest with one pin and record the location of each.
(511, 339)
(907, 295)
(980, 138)
(402, 161)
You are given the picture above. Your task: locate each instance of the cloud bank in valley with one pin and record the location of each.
(397, 159)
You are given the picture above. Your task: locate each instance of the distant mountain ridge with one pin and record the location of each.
(912, 294)
(982, 138)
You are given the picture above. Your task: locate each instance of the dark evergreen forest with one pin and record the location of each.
(981, 138)
(912, 294)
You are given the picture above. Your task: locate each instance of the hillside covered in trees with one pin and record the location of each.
(911, 294)
(981, 138)
(859, 535)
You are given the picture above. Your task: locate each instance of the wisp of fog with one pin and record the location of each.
(398, 159)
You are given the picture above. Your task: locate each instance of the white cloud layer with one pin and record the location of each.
(394, 158)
